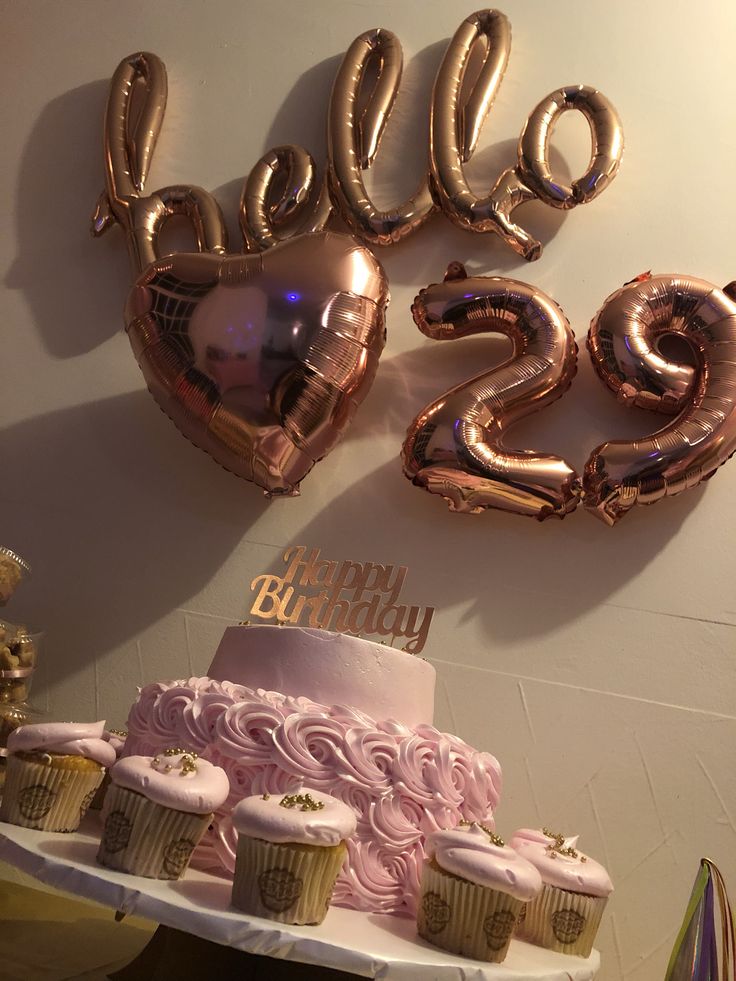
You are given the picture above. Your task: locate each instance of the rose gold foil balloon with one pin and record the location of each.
(355, 126)
(354, 134)
(302, 206)
(455, 446)
(260, 360)
(623, 344)
(457, 120)
(128, 154)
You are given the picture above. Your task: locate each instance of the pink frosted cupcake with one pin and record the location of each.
(473, 889)
(567, 913)
(156, 810)
(291, 848)
(53, 772)
(116, 738)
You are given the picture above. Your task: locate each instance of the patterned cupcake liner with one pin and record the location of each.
(561, 920)
(291, 883)
(99, 799)
(465, 918)
(145, 838)
(47, 798)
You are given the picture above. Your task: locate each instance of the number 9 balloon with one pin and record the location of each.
(623, 344)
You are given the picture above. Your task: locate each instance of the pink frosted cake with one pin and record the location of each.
(285, 706)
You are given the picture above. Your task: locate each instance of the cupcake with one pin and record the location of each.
(53, 770)
(567, 913)
(116, 738)
(290, 852)
(156, 810)
(473, 889)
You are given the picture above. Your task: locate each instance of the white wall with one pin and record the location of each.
(596, 663)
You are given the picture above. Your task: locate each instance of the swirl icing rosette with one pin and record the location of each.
(402, 783)
(245, 731)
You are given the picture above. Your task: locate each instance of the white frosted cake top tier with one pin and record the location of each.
(335, 669)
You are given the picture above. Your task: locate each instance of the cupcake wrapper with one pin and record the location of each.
(99, 799)
(46, 798)
(561, 920)
(145, 838)
(465, 918)
(291, 883)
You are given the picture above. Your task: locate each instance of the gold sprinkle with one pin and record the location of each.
(119, 732)
(266, 797)
(497, 840)
(559, 846)
(305, 802)
(186, 763)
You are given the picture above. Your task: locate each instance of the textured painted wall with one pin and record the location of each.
(597, 664)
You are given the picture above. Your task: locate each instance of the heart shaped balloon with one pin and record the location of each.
(260, 360)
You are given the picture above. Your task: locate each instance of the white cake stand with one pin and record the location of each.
(369, 945)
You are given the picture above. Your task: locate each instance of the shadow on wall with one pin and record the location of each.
(492, 563)
(127, 525)
(68, 278)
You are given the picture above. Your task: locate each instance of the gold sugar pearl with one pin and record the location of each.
(497, 840)
(559, 846)
(305, 802)
(186, 764)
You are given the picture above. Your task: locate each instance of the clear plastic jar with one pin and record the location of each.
(18, 660)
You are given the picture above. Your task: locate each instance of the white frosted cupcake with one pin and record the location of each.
(156, 810)
(53, 772)
(473, 889)
(291, 848)
(567, 913)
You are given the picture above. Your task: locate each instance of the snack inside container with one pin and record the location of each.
(18, 659)
(13, 569)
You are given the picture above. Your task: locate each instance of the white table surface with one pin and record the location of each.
(369, 945)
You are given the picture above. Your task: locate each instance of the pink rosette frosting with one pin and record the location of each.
(168, 714)
(309, 747)
(385, 878)
(201, 716)
(396, 819)
(367, 758)
(401, 783)
(245, 730)
(561, 864)
(64, 739)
